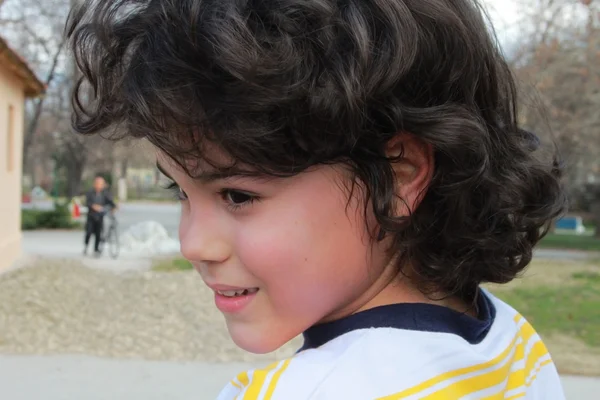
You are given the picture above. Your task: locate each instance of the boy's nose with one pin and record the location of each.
(201, 242)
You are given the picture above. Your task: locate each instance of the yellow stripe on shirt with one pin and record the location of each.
(473, 384)
(486, 379)
(518, 378)
(275, 379)
(524, 392)
(453, 374)
(243, 378)
(515, 379)
(538, 369)
(496, 377)
(258, 381)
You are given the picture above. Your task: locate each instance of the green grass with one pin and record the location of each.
(172, 265)
(570, 242)
(571, 309)
(587, 276)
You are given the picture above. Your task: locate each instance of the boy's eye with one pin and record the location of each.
(235, 197)
(179, 193)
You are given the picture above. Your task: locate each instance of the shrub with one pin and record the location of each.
(58, 218)
(29, 219)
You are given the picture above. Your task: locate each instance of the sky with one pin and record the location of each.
(504, 15)
(502, 10)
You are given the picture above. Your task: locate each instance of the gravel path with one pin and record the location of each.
(61, 306)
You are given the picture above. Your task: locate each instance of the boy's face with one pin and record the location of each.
(99, 184)
(280, 254)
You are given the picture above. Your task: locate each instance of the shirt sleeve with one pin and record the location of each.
(300, 377)
(297, 378)
(108, 199)
(255, 384)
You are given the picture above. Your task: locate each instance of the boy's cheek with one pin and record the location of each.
(290, 254)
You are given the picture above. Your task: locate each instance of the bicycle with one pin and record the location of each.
(110, 235)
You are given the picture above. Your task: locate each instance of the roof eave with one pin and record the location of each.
(33, 86)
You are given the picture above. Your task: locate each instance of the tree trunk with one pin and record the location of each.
(74, 175)
(29, 137)
(595, 209)
(124, 166)
(74, 158)
(31, 129)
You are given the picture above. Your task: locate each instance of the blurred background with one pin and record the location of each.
(136, 322)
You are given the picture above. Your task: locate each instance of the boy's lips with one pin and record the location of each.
(233, 299)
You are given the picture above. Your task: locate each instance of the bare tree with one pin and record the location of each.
(36, 29)
(561, 60)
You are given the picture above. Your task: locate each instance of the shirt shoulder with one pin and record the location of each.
(388, 364)
(296, 378)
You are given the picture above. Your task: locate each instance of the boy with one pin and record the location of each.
(96, 200)
(350, 170)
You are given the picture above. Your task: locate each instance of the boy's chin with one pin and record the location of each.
(255, 340)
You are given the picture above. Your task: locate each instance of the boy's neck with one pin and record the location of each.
(393, 287)
(403, 290)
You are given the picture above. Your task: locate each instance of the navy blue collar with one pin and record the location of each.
(409, 316)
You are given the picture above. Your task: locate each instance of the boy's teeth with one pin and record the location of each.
(233, 293)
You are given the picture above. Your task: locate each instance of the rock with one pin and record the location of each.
(38, 194)
(150, 238)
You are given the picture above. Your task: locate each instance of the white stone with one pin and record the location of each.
(37, 193)
(149, 238)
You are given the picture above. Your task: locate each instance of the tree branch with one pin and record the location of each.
(39, 105)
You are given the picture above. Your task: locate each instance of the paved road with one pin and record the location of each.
(167, 214)
(83, 377)
(568, 255)
(69, 244)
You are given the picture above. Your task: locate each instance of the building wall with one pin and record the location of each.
(12, 101)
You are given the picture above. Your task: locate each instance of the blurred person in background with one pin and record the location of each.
(98, 201)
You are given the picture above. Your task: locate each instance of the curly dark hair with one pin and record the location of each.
(282, 85)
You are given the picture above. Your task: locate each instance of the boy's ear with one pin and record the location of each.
(413, 168)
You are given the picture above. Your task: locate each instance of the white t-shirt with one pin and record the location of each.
(412, 351)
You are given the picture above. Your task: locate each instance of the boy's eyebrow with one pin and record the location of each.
(211, 176)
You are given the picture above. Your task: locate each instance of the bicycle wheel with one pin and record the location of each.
(113, 241)
(102, 243)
